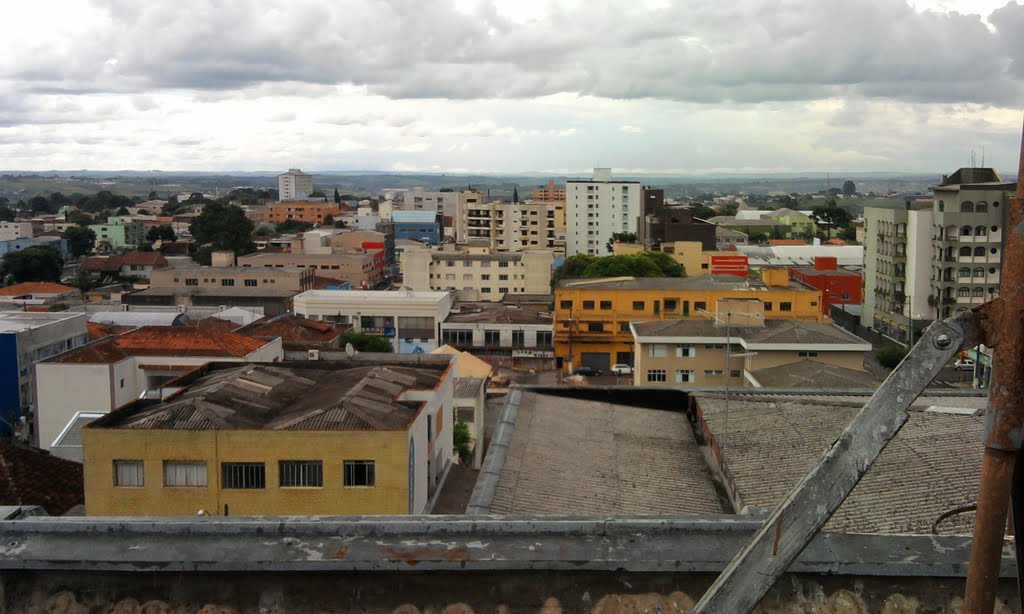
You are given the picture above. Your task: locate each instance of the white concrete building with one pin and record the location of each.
(597, 208)
(512, 227)
(25, 338)
(409, 319)
(478, 274)
(418, 199)
(294, 185)
(76, 387)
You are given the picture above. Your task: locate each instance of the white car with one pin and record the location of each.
(621, 369)
(965, 364)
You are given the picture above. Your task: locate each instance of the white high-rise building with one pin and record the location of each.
(294, 185)
(597, 208)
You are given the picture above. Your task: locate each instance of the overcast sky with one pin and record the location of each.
(475, 86)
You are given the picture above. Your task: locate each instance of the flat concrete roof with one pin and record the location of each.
(571, 456)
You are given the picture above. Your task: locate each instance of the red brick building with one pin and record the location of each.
(838, 286)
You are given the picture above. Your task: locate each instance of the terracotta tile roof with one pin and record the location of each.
(165, 341)
(113, 263)
(296, 333)
(98, 263)
(215, 323)
(30, 476)
(99, 331)
(36, 287)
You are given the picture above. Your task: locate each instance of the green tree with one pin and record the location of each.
(702, 211)
(123, 211)
(642, 264)
(620, 237)
(36, 263)
(171, 207)
(891, 355)
(162, 232)
(6, 213)
(317, 194)
(337, 196)
(77, 217)
(292, 226)
(152, 195)
(80, 240)
(365, 343)
(339, 223)
(328, 220)
(222, 227)
(849, 188)
(832, 215)
(460, 440)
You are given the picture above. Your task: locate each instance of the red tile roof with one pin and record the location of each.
(165, 341)
(30, 476)
(36, 287)
(296, 333)
(113, 263)
(786, 242)
(99, 331)
(835, 242)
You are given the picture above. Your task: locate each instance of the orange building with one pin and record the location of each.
(548, 193)
(301, 211)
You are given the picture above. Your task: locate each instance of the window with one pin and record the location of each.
(979, 272)
(963, 292)
(449, 263)
(979, 251)
(606, 305)
(487, 277)
(128, 473)
(685, 351)
(768, 306)
(671, 304)
(184, 473)
(492, 337)
(657, 375)
(624, 327)
(978, 292)
(806, 354)
(486, 290)
(301, 473)
(713, 373)
(449, 277)
(544, 338)
(122, 382)
(638, 305)
(360, 473)
(697, 305)
(191, 281)
(502, 277)
(683, 377)
(785, 306)
(243, 475)
(457, 337)
(503, 264)
(595, 327)
(657, 350)
(518, 338)
(503, 290)
(467, 277)
(965, 251)
(588, 304)
(734, 373)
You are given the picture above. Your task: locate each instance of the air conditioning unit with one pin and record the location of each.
(314, 354)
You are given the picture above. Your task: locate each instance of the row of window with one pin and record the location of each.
(293, 473)
(493, 337)
(684, 376)
(250, 283)
(670, 305)
(502, 264)
(469, 277)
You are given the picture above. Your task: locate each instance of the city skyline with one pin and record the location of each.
(479, 87)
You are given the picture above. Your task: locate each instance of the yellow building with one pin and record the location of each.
(690, 254)
(593, 315)
(313, 438)
(741, 347)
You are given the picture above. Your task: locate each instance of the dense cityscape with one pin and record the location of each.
(463, 307)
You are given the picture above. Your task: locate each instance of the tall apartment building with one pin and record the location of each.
(511, 227)
(294, 185)
(597, 208)
(934, 259)
(313, 212)
(548, 193)
(658, 223)
(478, 274)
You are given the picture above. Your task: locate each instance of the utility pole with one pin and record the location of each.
(570, 341)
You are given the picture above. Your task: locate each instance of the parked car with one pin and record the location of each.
(621, 369)
(585, 370)
(965, 364)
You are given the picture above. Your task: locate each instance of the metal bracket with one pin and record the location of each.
(812, 502)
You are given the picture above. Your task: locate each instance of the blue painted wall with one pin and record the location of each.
(10, 392)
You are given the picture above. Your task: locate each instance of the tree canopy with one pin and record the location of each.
(292, 226)
(832, 215)
(36, 263)
(620, 237)
(642, 264)
(365, 343)
(849, 188)
(222, 227)
(80, 240)
(162, 232)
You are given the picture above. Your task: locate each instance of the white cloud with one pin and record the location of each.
(631, 129)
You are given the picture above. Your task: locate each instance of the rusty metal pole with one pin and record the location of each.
(1004, 421)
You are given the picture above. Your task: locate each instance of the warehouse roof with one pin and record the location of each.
(813, 374)
(785, 332)
(163, 341)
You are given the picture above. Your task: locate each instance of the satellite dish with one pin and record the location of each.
(349, 350)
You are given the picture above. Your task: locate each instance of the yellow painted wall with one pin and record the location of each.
(616, 336)
(690, 254)
(389, 450)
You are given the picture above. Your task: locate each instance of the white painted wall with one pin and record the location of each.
(613, 207)
(919, 263)
(64, 389)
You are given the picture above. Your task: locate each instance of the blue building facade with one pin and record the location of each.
(14, 245)
(423, 226)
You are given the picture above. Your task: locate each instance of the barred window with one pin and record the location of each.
(128, 473)
(184, 473)
(657, 375)
(360, 473)
(243, 475)
(301, 473)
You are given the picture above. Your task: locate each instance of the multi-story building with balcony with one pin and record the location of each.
(548, 192)
(924, 261)
(478, 274)
(294, 185)
(512, 227)
(597, 208)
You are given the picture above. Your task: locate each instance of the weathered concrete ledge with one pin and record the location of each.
(388, 543)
